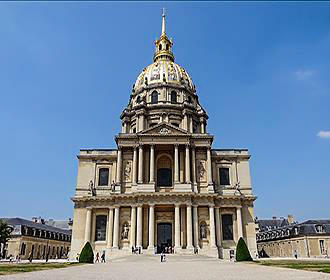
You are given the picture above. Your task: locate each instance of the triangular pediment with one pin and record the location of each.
(164, 128)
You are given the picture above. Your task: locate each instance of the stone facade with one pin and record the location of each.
(308, 239)
(164, 186)
(38, 239)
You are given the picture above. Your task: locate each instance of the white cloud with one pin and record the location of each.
(324, 134)
(304, 74)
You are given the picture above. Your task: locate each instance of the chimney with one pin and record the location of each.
(274, 217)
(290, 219)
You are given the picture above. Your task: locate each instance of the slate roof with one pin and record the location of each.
(22, 222)
(58, 224)
(265, 225)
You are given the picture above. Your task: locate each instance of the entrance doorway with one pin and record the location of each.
(164, 237)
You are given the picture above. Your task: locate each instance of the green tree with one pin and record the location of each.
(242, 251)
(5, 231)
(86, 255)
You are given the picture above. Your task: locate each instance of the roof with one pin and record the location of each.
(269, 224)
(22, 222)
(59, 224)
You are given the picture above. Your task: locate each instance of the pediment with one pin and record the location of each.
(164, 129)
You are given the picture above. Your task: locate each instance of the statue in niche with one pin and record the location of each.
(203, 230)
(92, 188)
(124, 232)
(128, 169)
(201, 169)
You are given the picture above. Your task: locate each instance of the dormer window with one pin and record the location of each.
(296, 231)
(319, 229)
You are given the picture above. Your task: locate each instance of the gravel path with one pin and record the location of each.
(175, 268)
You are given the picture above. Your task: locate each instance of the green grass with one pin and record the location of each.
(6, 269)
(319, 266)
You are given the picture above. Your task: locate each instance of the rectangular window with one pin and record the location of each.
(101, 224)
(322, 248)
(227, 227)
(224, 176)
(103, 176)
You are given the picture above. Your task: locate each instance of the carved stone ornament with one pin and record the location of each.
(203, 230)
(164, 130)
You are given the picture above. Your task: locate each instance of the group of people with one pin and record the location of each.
(136, 250)
(97, 258)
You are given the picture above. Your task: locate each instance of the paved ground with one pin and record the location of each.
(175, 268)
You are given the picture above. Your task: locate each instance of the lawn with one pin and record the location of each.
(6, 269)
(320, 266)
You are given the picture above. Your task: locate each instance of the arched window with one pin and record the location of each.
(100, 230)
(160, 47)
(154, 97)
(138, 99)
(103, 176)
(174, 97)
(167, 47)
(189, 99)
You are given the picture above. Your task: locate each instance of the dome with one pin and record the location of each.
(164, 71)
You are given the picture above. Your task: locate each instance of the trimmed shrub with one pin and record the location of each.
(86, 255)
(242, 251)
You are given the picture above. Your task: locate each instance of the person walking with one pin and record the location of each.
(103, 257)
(31, 257)
(97, 257)
(295, 254)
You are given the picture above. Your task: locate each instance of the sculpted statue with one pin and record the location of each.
(203, 230)
(124, 232)
(128, 169)
(201, 169)
(91, 188)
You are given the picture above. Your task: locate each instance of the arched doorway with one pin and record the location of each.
(164, 237)
(164, 171)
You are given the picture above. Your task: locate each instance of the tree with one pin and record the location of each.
(86, 255)
(242, 251)
(5, 231)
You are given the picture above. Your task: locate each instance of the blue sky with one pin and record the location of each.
(261, 71)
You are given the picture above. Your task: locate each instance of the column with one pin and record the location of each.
(181, 166)
(177, 242)
(176, 163)
(202, 125)
(196, 227)
(116, 229)
(119, 162)
(212, 226)
(185, 121)
(134, 165)
(152, 164)
(209, 166)
(189, 227)
(218, 226)
(187, 165)
(133, 226)
(110, 228)
(140, 175)
(239, 222)
(151, 245)
(139, 227)
(141, 126)
(193, 165)
(191, 129)
(88, 225)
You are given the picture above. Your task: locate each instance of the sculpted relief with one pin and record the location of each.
(164, 130)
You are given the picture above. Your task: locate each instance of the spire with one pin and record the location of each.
(163, 23)
(163, 44)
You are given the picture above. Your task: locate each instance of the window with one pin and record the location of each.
(224, 176)
(319, 229)
(134, 130)
(23, 249)
(174, 97)
(167, 47)
(322, 248)
(101, 224)
(154, 97)
(138, 99)
(103, 176)
(227, 226)
(189, 99)
(160, 47)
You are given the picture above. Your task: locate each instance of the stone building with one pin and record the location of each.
(308, 239)
(164, 185)
(37, 238)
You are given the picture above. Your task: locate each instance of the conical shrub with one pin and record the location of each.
(86, 255)
(242, 251)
